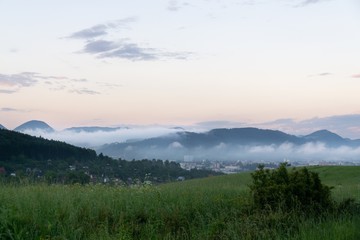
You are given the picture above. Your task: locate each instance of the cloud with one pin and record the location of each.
(109, 85)
(97, 43)
(101, 29)
(262, 149)
(132, 51)
(97, 138)
(100, 46)
(221, 146)
(94, 31)
(314, 152)
(24, 79)
(356, 75)
(84, 91)
(176, 145)
(208, 125)
(344, 125)
(109, 49)
(324, 74)
(280, 121)
(14, 110)
(79, 80)
(309, 2)
(6, 109)
(12, 83)
(174, 5)
(307, 153)
(7, 91)
(128, 50)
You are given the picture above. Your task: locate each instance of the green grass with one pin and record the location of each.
(338, 174)
(211, 208)
(340, 229)
(344, 179)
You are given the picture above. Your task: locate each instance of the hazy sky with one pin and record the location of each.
(92, 62)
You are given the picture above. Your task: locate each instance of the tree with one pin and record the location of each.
(299, 189)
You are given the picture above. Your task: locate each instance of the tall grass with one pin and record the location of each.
(101, 212)
(212, 208)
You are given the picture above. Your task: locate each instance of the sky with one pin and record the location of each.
(175, 62)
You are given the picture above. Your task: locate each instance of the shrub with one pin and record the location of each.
(299, 189)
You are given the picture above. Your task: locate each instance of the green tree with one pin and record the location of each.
(299, 189)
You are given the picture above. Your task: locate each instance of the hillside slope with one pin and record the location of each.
(54, 161)
(344, 179)
(34, 125)
(14, 144)
(230, 144)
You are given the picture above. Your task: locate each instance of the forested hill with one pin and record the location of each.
(39, 159)
(14, 144)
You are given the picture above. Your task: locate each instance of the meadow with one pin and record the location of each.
(211, 208)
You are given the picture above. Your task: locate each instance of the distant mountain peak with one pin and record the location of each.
(324, 136)
(322, 133)
(225, 144)
(178, 128)
(34, 125)
(2, 127)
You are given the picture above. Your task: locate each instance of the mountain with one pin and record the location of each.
(327, 137)
(92, 129)
(15, 144)
(225, 144)
(34, 125)
(252, 136)
(208, 145)
(178, 128)
(40, 159)
(2, 127)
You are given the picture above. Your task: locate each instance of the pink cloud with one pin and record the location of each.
(356, 75)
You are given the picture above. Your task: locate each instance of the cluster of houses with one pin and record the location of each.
(229, 167)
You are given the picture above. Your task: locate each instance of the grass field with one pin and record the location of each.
(211, 208)
(344, 179)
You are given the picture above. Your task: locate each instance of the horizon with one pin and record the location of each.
(288, 65)
(169, 143)
(344, 125)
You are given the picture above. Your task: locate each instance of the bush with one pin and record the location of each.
(299, 189)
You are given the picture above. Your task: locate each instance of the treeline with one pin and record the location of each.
(158, 171)
(38, 159)
(18, 144)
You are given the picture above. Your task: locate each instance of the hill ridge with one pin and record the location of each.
(34, 125)
(216, 140)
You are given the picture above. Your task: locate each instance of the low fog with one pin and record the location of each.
(125, 143)
(98, 138)
(314, 151)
